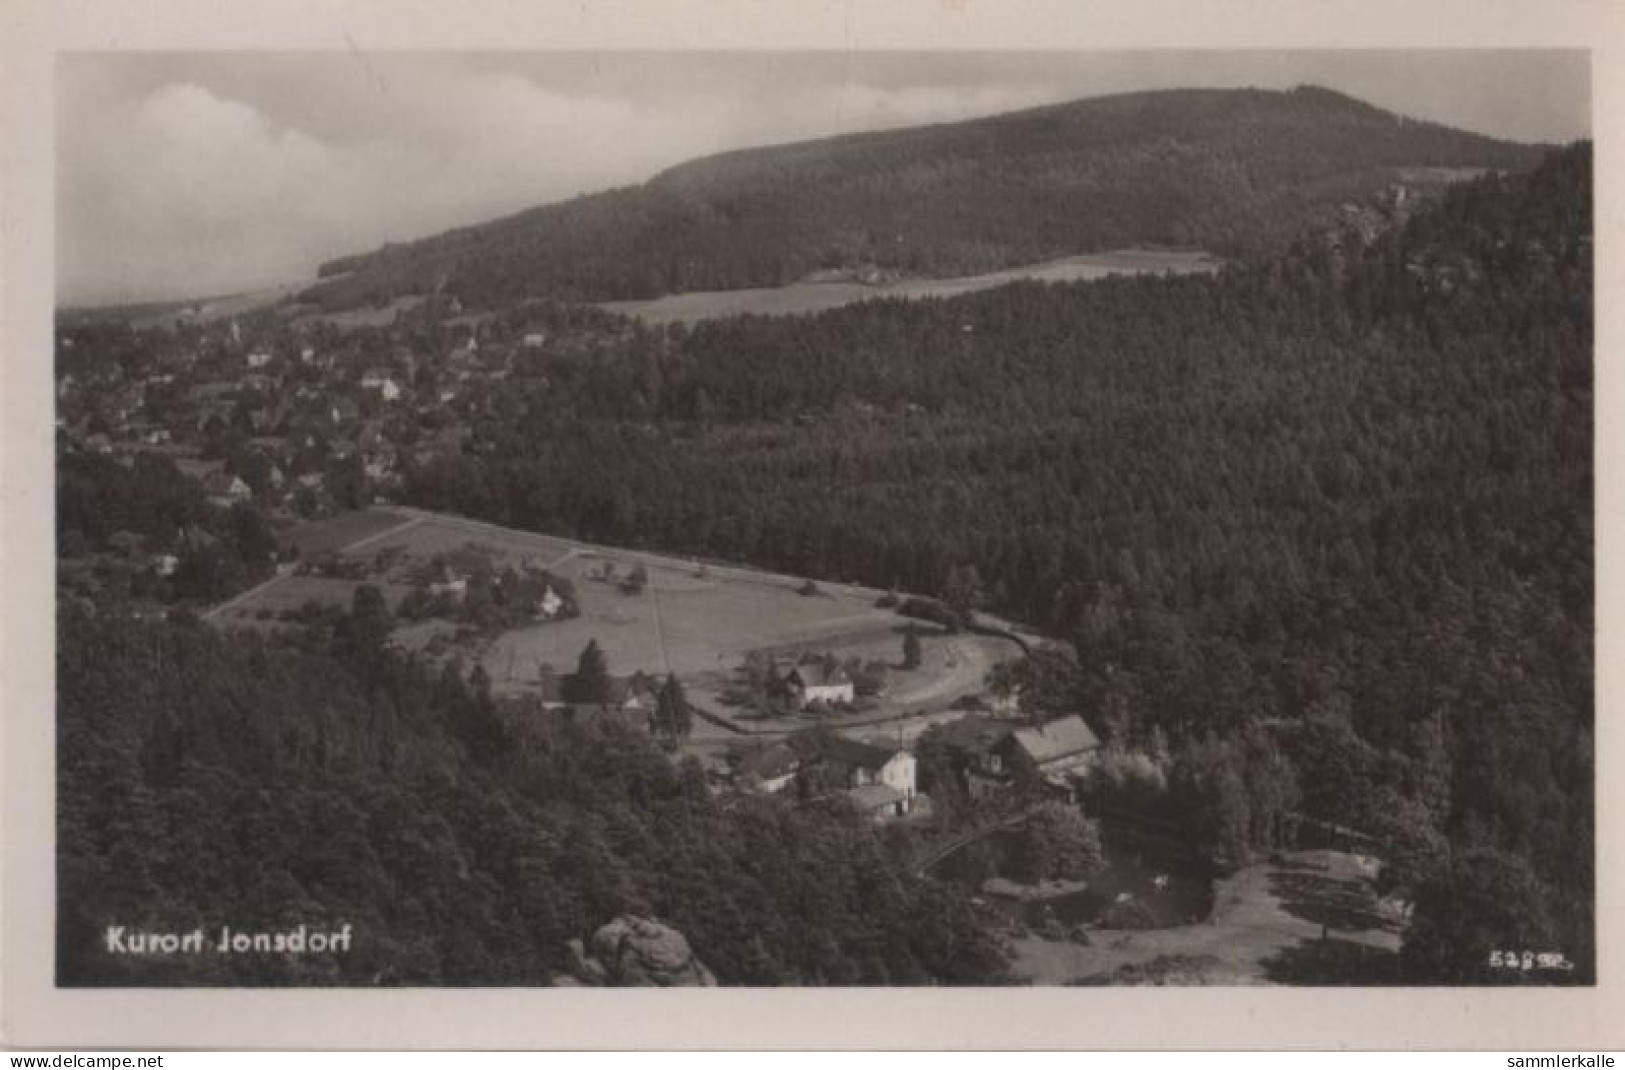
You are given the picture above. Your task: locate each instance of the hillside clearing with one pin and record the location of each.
(808, 297)
(1266, 928)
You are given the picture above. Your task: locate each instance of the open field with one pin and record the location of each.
(336, 533)
(1266, 928)
(684, 623)
(287, 593)
(210, 309)
(351, 318)
(425, 536)
(950, 669)
(806, 297)
(697, 621)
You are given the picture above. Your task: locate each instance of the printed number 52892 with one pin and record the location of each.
(1530, 960)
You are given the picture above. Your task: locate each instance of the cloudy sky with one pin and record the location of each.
(189, 174)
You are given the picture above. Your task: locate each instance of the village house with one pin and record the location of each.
(453, 587)
(880, 781)
(151, 434)
(379, 465)
(226, 490)
(631, 700)
(383, 381)
(1055, 750)
(879, 802)
(818, 684)
(550, 603)
(767, 770)
(995, 755)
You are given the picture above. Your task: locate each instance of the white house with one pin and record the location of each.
(899, 773)
(768, 769)
(550, 604)
(819, 684)
(886, 791)
(381, 380)
(879, 780)
(456, 588)
(879, 802)
(225, 490)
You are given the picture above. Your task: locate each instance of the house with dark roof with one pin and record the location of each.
(225, 490)
(994, 755)
(852, 767)
(767, 769)
(880, 802)
(819, 683)
(631, 699)
(1054, 750)
(382, 380)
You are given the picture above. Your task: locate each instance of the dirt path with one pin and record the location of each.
(1267, 927)
(968, 661)
(738, 573)
(219, 610)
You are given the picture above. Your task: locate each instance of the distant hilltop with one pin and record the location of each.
(1233, 172)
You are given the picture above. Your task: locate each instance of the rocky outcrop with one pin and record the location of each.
(637, 952)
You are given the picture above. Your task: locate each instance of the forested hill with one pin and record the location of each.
(208, 780)
(1352, 484)
(1234, 172)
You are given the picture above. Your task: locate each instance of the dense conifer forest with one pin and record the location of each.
(1314, 535)
(1341, 497)
(208, 779)
(1234, 172)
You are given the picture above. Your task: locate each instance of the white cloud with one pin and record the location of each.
(183, 191)
(182, 187)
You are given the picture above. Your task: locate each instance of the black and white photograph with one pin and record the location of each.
(799, 517)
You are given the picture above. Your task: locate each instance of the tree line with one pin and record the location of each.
(1344, 493)
(1234, 172)
(209, 779)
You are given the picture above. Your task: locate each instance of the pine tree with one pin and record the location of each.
(673, 719)
(589, 684)
(911, 649)
(963, 592)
